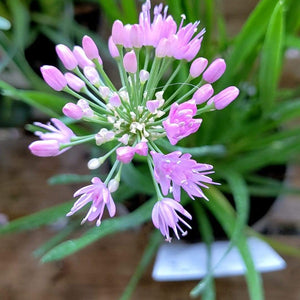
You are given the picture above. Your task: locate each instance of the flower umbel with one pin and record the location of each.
(140, 112)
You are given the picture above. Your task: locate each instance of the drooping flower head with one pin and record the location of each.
(165, 216)
(143, 110)
(99, 195)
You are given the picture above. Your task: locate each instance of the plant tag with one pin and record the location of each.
(180, 261)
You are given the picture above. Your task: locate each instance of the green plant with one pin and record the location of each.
(256, 130)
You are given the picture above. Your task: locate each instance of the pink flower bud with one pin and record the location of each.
(125, 154)
(126, 36)
(203, 93)
(72, 111)
(45, 148)
(136, 36)
(104, 92)
(104, 136)
(124, 139)
(141, 149)
(66, 56)
(198, 66)
(74, 82)
(54, 77)
(144, 76)
(215, 70)
(90, 48)
(153, 105)
(225, 97)
(81, 57)
(117, 32)
(113, 50)
(115, 100)
(113, 185)
(84, 105)
(92, 75)
(130, 62)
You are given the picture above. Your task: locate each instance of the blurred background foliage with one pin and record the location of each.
(250, 143)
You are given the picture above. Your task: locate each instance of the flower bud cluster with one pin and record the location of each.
(132, 118)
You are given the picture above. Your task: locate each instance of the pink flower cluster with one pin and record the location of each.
(142, 111)
(161, 33)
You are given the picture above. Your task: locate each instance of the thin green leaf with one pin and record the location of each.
(292, 41)
(149, 253)
(48, 103)
(271, 57)
(207, 286)
(21, 19)
(69, 178)
(12, 52)
(241, 198)
(111, 9)
(214, 151)
(292, 16)
(109, 226)
(44, 217)
(224, 213)
(59, 237)
(130, 11)
(136, 180)
(247, 40)
(175, 8)
(285, 111)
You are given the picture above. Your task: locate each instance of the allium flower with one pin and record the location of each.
(165, 215)
(180, 122)
(180, 171)
(145, 109)
(99, 195)
(58, 135)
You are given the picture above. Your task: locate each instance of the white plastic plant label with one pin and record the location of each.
(181, 261)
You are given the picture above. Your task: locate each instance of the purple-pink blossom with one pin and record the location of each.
(74, 82)
(99, 195)
(130, 62)
(198, 66)
(90, 48)
(125, 154)
(180, 122)
(203, 93)
(225, 97)
(73, 111)
(176, 170)
(66, 56)
(165, 217)
(50, 143)
(215, 70)
(54, 77)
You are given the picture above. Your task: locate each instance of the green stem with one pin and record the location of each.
(150, 163)
(173, 75)
(77, 142)
(104, 75)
